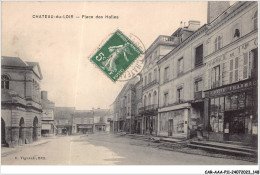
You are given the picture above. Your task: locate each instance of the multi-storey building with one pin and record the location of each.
(231, 75)
(101, 123)
(21, 109)
(130, 108)
(47, 128)
(125, 107)
(181, 79)
(116, 106)
(63, 118)
(137, 106)
(83, 122)
(111, 117)
(150, 75)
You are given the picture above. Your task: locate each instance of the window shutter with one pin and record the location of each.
(236, 69)
(245, 61)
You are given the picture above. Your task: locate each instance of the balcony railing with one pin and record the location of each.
(150, 84)
(150, 109)
(198, 95)
(163, 40)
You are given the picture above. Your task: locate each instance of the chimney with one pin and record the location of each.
(216, 8)
(193, 25)
(44, 95)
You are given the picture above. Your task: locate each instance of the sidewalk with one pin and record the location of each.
(183, 145)
(5, 151)
(156, 138)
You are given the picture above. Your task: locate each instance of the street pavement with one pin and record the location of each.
(106, 149)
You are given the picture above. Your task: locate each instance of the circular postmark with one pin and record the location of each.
(137, 66)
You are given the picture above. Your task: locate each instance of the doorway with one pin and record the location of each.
(35, 129)
(170, 127)
(234, 122)
(21, 131)
(3, 141)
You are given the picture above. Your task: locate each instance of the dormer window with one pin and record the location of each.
(237, 33)
(218, 43)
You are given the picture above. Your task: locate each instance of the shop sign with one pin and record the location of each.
(233, 102)
(232, 53)
(241, 100)
(254, 129)
(84, 126)
(46, 127)
(235, 87)
(226, 131)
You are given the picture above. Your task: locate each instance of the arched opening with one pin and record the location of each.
(145, 101)
(21, 131)
(149, 99)
(35, 129)
(155, 98)
(3, 141)
(5, 82)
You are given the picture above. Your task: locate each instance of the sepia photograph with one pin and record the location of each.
(130, 83)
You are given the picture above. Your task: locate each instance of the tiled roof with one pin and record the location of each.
(83, 113)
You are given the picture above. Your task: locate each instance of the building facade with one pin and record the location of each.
(21, 110)
(181, 81)
(83, 122)
(231, 75)
(101, 124)
(137, 106)
(150, 74)
(47, 127)
(201, 77)
(63, 119)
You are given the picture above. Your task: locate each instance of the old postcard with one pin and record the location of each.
(130, 83)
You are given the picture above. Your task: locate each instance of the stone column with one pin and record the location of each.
(29, 131)
(15, 136)
(23, 136)
(8, 134)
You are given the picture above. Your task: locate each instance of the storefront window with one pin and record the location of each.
(227, 102)
(178, 122)
(241, 100)
(221, 104)
(217, 114)
(164, 122)
(220, 121)
(233, 101)
(249, 99)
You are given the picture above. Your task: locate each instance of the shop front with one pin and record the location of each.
(64, 129)
(232, 112)
(137, 125)
(47, 128)
(174, 123)
(149, 125)
(84, 128)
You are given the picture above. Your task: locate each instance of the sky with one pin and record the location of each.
(63, 47)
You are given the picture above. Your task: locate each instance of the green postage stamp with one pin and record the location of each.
(116, 55)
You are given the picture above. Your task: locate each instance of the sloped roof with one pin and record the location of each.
(36, 68)
(64, 112)
(83, 113)
(13, 61)
(100, 112)
(18, 62)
